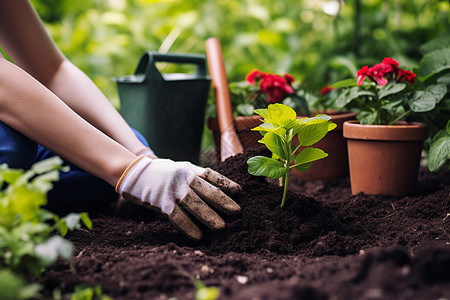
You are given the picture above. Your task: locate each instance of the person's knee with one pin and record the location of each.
(16, 150)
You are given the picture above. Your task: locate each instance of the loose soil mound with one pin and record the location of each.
(324, 244)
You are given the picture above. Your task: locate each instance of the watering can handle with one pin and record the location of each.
(149, 58)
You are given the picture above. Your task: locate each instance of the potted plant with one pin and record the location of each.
(384, 148)
(260, 89)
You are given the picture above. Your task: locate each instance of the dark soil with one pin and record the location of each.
(324, 244)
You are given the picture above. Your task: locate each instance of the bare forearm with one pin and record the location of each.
(82, 95)
(33, 110)
(26, 41)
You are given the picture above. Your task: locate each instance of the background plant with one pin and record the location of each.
(386, 99)
(28, 243)
(435, 69)
(279, 128)
(316, 41)
(259, 89)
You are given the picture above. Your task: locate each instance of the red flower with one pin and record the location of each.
(253, 76)
(326, 90)
(290, 79)
(390, 61)
(406, 75)
(361, 75)
(383, 72)
(378, 71)
(275, 87)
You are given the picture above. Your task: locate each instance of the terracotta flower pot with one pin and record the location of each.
(336, 164)
(243, 124)
(384, 159)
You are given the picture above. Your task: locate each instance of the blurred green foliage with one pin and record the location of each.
(318, 42)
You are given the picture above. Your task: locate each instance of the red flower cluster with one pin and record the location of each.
(326, 90)
(274, 86)
(383, 72)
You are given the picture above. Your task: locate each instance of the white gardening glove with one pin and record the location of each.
(177, 186)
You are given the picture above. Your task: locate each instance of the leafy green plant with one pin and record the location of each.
(386, 99)
(14, 287)
(279, 128)
(435, 69)
(28, 244)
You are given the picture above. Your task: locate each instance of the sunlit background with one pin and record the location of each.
(318, 42)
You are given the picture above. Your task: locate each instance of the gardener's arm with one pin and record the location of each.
(174, 187)
(24, 38)
(30, 108)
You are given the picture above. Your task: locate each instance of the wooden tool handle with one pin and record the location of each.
(229, 141)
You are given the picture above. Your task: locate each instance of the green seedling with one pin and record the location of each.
(89, 293)
(279, 128)
(204, 292)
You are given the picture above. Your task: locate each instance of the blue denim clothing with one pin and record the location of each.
(76, 190)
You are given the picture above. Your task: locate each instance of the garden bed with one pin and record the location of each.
(324, 244)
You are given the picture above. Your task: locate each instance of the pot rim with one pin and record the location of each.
(402, 131)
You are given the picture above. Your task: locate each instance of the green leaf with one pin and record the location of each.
(269, 127)
(205, 293)
(349, 95)
(435, 62)
(53, 248)
(62, 227)
(47, 165)
(14, 287)
(438, 90)
(72, 221)
(280, 114)
(9, 175)
(86, 220)
(368, 117)
(448, 127)
(245, 109)
(263, 112)
(309, 154)
(439, 150)
(344, 83)
(422, 101)
(391, 89)
(265, 166)
(303, 167)
(275, 144)
(312, 132)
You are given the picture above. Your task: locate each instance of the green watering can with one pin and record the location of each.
(168, 109)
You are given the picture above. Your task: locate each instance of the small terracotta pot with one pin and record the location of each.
(384, 159)
(243, 124)
(335, 165)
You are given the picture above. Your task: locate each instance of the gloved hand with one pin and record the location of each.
(176, 187)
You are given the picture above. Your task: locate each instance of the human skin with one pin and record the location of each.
(46, 98)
